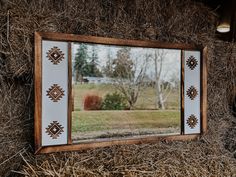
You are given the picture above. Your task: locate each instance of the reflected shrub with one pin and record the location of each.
(92, 102)
(114, 101)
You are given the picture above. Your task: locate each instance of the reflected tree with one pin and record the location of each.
(81, 67)
(163, 88)
(86, 65)
(93, 70)
(128, 75)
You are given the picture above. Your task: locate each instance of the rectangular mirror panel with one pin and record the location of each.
(121, 92)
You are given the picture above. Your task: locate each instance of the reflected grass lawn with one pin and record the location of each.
(87, 121)
(146, 99)
(142, 119)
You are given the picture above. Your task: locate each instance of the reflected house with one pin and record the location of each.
(96, 80)
(150, 82)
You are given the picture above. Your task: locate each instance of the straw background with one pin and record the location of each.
(181, 21)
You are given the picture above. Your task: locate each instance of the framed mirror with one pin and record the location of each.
(94, 92)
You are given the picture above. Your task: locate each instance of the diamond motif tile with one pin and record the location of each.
(54, 129)
(55, 55)
(55, 93)
(192, 92)
(192, 121)
(192, 62)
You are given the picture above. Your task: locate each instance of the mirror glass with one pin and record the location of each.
(124, 92)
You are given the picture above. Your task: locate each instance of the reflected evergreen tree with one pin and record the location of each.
(93, 64)
(108, 70)
(81, 67)
(123, 65)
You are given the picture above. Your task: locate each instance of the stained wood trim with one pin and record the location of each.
(204, 91)
(113, 41)
(105, 143)
(39, 36)
(69, 94)
(38, 92)
(182, 92)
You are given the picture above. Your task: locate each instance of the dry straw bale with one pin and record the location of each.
(163, 20)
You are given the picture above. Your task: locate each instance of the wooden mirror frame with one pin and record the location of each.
(40, 36)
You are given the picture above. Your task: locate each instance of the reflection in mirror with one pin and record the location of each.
(124, 92)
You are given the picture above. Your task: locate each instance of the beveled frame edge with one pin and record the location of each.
(203, 102)
(39, 36)
(106, 143)
(182, 92)
(115, 41)
(38, 92)
(69, 105)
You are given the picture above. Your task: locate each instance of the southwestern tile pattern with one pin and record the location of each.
(55, 55)
(192, 121)
(192, 62)
(55, 93)
(192, 92)
(54, 130)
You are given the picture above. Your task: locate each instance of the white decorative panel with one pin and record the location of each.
(54, 92)
(192, 92)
